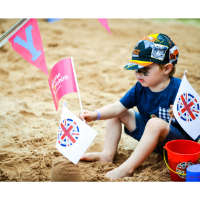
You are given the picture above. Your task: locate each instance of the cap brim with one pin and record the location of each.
(136, 64)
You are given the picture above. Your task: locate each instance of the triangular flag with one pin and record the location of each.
(104, 24)
(186, 108)
(27, 42)
(74, 136)
(62, 80)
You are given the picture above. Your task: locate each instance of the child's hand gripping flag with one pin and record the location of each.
(27, 42)
(186, 108)
(74, 136)
(62, 80)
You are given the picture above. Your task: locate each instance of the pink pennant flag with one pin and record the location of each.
(27, 42)
(62, 80)
(104, 24)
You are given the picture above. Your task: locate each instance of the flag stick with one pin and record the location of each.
(77, 85)
(12, 31)
(169, 123)
(171, 117)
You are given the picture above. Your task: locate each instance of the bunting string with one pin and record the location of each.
(12, 30)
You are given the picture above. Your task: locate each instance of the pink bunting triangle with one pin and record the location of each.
(28, 43)
(104, 24)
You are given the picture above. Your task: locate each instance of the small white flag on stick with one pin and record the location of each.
(186, 108)
(74, 136)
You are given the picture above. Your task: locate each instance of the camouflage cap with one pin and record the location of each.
(155, 48)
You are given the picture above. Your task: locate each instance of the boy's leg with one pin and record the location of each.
(155, 132)
(112, 137)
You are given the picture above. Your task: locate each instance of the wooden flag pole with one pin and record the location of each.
(77, 85)
(8, 34)
(171, 117)
(169, 123)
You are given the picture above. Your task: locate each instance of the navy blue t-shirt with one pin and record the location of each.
(153, 104)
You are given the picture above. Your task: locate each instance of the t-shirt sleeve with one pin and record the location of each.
(129, 100)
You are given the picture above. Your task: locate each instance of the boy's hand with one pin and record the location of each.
(171, 114)
(88, 115)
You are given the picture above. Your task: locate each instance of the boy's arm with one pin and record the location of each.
(107, 112)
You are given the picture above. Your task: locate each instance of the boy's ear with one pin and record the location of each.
(168, 68)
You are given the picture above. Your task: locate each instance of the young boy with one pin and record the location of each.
(153, 60)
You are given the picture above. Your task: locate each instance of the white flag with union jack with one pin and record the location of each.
(74, 136)
(186, 108)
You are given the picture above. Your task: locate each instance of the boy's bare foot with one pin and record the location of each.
(118, 173)
(99, 156)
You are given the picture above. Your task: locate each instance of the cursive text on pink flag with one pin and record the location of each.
(62, 80)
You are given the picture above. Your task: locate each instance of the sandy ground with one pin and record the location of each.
(28, 119)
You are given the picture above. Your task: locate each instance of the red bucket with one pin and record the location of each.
(181, 154)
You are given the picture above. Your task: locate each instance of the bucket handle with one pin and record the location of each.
(167, 164)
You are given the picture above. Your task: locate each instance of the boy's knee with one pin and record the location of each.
(157, 125)
(128, 119)
(128, 114)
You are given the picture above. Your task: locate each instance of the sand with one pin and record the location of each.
(28, 119)
(64, 170)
